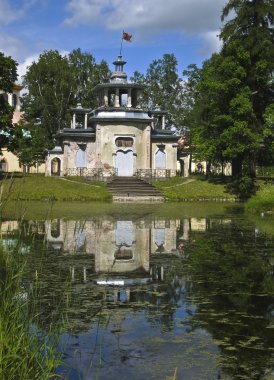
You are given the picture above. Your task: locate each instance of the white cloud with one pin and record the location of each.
(12, 46)
(9, 13)
(148, 16)
(85, 11)
(22, 67)
(211, 44)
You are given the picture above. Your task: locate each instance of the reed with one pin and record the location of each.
(25, 353)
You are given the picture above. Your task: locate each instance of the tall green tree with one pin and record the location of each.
(87, 74)
(252, 28)
(163, 86)
(55, 83)
(236, 88)
(29, 143)
(8, 76)
(51, 85)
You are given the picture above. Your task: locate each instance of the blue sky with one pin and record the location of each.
(186, 28)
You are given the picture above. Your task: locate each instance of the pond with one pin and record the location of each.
(152, 292)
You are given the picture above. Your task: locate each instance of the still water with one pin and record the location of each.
(150, 295)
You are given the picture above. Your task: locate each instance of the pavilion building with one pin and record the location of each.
(118, 138)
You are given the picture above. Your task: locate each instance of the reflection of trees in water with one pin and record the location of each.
(233, 287)
(226, 272)
(81, 303)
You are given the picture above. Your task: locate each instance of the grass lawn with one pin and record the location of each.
(186, 189)
(36, 187)
(263, 200)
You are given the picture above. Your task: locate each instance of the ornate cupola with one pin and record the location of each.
(119, 75)
(119, 93)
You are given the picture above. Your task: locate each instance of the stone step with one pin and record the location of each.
(131, 187)
(135, 194)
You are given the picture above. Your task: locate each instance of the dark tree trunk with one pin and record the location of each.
(190, 163)
(208, 168)
(236, 166)
(252, 167)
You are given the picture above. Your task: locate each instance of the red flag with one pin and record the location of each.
(127, 37)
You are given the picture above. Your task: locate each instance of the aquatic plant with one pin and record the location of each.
(25, 352)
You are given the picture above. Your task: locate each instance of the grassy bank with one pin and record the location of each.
(262, 201)
(40, 188)
(188, 189)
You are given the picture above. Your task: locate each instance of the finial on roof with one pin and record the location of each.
(119, 75)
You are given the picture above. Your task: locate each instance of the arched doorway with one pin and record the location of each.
(56, 166)
(3, 165)
(81, 160)
(160, 159)
(124, 163)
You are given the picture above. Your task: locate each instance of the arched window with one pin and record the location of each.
(3, 98)
(14, 100)
(80, 160)
(124, 239)
(55, 228)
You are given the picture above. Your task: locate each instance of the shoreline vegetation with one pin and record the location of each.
(34, 187)
(26, 352)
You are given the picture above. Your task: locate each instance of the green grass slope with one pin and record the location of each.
(183, 189)
(41, 188)
(262, 201)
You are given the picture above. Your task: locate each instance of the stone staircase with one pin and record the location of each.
(132, 189)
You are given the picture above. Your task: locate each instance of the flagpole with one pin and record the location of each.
(121, 43)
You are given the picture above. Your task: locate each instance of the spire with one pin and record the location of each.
(119, 75)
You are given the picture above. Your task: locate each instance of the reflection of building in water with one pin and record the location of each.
(125, 248)
(7, 229)
(121, 249)
(164, 236)
(122, 254)
(199, 225)
(117, 246)
(9, 226)
(114, 241)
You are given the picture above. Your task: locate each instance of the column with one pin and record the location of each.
(18, 103)
(10, 99)
(86, 121)
(73, 121)
(163, 121)
(129, 98)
